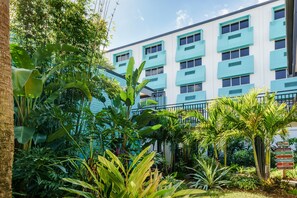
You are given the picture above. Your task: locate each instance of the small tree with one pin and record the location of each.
(277, 118)
(212, 130)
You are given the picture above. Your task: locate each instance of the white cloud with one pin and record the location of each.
(140, 15)
(183, 19)
(223, 11)
(261, 1)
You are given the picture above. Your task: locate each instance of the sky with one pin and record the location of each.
(136, 20)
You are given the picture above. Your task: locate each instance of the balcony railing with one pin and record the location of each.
(288, 97)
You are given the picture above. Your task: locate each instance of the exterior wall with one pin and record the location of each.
(260, 63)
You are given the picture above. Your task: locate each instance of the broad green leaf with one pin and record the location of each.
(81, 86)
(34, 86)
(78, 192)
(20, 57)
(130, 96)
(145, 131)
(80, 183)
(148, 102)
(138, 157)
(123, 96)
(130, 69)
(23, 134)
(58, 134)
(20, 77)
(141, 85)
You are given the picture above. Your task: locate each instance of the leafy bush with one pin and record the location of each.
(276, 183)
(209, 175)
(243, 157)
(38, 173)
(291, 174)
(244, 182)
(109, 178)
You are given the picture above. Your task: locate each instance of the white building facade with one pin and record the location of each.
(223, 56)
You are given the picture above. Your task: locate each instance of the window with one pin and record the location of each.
(158, 93)
(241, 80)
(189, 39)
(154, 71)
(235, 53)
(280, 74)
(191, 88)
(191, 63)
(279, 44)
(278, 14)
(122, 57)
(153, 49)
(235, 26)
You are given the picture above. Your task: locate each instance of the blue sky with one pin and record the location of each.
(135, 20)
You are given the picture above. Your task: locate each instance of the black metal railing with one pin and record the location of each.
(288, 97)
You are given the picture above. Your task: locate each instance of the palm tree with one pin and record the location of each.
(247, 115)
(6, 105)
(276, 119)
(213, 129)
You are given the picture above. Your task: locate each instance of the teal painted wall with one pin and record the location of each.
(278, 59)
(236, 39)
(277, 29)
(235, 90)
(121, 67)
(155, 59)
(193, 96)
(190, 75)
(190, 51)
(157, 81)
(284, 84)
(236, 67)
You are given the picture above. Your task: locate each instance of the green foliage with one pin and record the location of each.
(23, 134)
(244, 182)
(38, 173)
(209, 175)
(111, 179)
(38, 22)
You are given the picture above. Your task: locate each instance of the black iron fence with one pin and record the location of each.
(288, 97)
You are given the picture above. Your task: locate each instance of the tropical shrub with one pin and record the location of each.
(38, 173)
(109, 178)
(244, 182)
(209, 175)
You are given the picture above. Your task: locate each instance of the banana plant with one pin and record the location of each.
(128, 96)
(28, 83)
(110, 178)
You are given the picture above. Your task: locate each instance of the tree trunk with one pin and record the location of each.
(215, 151)
(267, 160)
(225, 154)
(260, 149)
(6, 105)
(256, 159)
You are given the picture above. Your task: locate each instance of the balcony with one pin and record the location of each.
(190, 51)
(121, 67)
(190, 75)
(277, 29)
(189, 97)
(283, 84)
(236, 67)
(236, 39)
(278, 59)
(157, 81)
(235, 90)
(155, 59)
